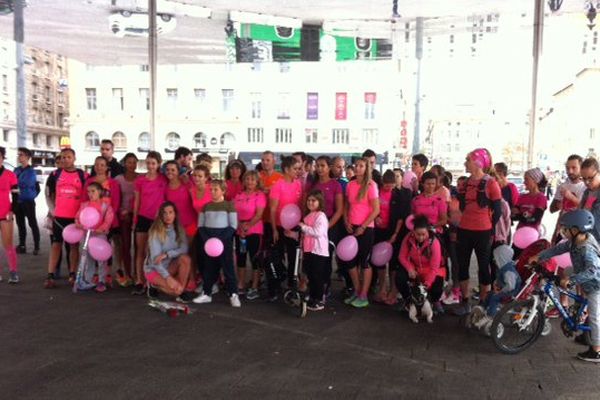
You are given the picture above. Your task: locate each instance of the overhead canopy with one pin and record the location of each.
(81, 29)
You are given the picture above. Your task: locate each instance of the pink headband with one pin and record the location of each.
(482, 158)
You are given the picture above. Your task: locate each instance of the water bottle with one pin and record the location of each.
(243, 245)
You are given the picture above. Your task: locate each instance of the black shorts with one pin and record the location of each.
(252, 247)
(143, 224)
(365, 244)
(57, 228)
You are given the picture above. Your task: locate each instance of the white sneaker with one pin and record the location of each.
(235, 301)
(202, 299)
(215, 289)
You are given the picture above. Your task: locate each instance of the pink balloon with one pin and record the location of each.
(72, 234)
(525, 236)
(89, 217)
(213, 247)
(410, 222)
(563, 260)
(347, 248)
(407, 180)
(290, 216)
(99, 248)
(381, 254)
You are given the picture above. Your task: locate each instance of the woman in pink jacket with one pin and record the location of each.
(421, 259)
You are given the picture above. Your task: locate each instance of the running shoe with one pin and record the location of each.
(553, 313)
(186, 297)
(153, 293)
(124, 281)
(315, 306)
(13, 277)
(590, 356)
(463, 309)
(21, 249)
(202, 299)
(252, 294)
(350, 299)
(49, 283)
(138, 290)
(360, 302)
(100, 287)
(235, 300)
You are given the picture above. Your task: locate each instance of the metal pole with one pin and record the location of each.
(418, 56)
(19, 35)
(538, 35)
(152, 61)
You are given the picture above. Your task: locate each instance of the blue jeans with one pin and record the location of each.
(493, 301)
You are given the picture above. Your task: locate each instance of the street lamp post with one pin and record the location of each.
(152, 61)
(538, 34)
(19, 35)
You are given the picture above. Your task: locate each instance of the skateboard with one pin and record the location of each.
(171, 308)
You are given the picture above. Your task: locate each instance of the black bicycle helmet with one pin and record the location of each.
(580, 219)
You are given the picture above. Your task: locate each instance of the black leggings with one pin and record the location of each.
(26, 210)
(481, 242)
(315, 267)
(287, 246)
(252, 248)
(433, 293)
(336, 233)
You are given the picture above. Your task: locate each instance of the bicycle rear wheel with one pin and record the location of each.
(517, 326)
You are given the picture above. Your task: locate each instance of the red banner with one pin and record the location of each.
(370, 97)
(341, 103)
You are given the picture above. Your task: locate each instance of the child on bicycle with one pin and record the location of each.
(95, 193)
(576, 227)
(506, 287)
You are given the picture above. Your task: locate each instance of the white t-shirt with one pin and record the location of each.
(577, 188)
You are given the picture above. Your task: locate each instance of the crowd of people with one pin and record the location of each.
(159, 222)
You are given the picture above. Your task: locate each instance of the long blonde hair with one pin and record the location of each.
(364, 185)
(159, 229)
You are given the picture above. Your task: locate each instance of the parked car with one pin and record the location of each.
(42, 173)
(519, 182)
(162, 7)
(127, 23)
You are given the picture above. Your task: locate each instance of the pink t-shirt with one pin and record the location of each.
(233, 189)
(433, 207)
(330, 190)
(528, 203)
(359, 210)
(7, 180)
(444, 193)
(286, 193)
(182, 199)
(200, 202)
(246, 205)
(151, 194)
(383, 222)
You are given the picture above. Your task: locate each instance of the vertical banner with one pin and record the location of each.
(370, 97)
(341, 102)
(403, 135)
(312, 105)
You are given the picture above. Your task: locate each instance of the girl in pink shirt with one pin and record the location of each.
(250, 205)
(94, 194)
(178, 193)
(421, 259)
(9, 187)
(530, 206)
(148, 197)
(315, 244)
(434, 207)
(111, 195)
(233, 179)
(363, 207)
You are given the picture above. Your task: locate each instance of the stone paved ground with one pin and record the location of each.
(56, 345)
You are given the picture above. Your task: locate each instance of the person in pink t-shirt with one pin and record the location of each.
(178, 193)
(531, 205)
(250, 205)
(363, 207)
(429, 204)
(233, 179)
(9, 187)
(384, 232)
(125, 214)
(201, 189)
(285, 191)
(148, 197)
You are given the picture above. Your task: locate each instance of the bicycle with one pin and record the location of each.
(525, 318)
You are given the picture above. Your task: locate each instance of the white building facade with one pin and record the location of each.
(241, 109)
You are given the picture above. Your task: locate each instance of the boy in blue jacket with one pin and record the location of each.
(576, 226)
(25, 206)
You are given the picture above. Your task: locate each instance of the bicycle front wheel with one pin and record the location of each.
(517, 326)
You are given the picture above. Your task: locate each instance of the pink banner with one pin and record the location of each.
(341, 102)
